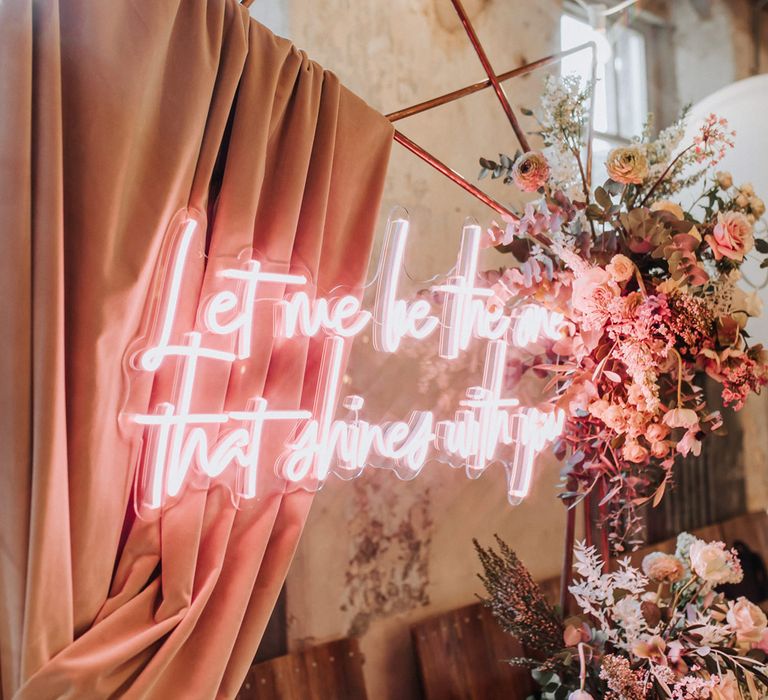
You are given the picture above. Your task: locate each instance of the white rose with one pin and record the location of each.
(713, 563)
(747, 621)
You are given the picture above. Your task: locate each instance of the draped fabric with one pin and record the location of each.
(113, 117)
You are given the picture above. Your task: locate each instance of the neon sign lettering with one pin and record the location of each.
(180, 438)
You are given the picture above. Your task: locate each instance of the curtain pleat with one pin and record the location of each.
(113, 118)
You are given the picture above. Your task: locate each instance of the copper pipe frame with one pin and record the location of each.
(476, 87)
(452, 175)
(483, 84)
(488, 68)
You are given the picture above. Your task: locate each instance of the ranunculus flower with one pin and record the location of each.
(732, 236)
(681, 418)
(663, 568)
(634, 452)
(530, 171)
(665, 205)
(725, 179)
(621, 268)
(627, 165)
(714, 564)
(747, 621)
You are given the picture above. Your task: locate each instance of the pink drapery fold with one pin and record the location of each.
(113, 117)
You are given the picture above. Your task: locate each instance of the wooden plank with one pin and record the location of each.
(332, 671)
(461, 656)
(752, 529)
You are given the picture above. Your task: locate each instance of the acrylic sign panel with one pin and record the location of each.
(182, 440)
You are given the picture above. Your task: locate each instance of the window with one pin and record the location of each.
(621, 91)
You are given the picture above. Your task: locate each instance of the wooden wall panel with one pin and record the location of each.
(461, 656)
(332, 671)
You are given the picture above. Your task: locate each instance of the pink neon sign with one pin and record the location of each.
(182, 440)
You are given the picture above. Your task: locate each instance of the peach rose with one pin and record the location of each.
(621, 268)
(614, 417)
(659, 450)
(627, 165)
(665, 205)
(681, 418)
(747, 621)
(656, 432)
(530, 171)
(634, 452)
(732, 236)
(713, 563)
(724, 179)
(727, 688)
(757, 206)
(598, 408)
(663, 568)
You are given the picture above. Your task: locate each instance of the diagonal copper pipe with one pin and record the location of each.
(483, 84)
(480, 51)
(452, 175)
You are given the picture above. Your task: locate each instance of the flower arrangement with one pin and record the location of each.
(649, 290)
(660, 632)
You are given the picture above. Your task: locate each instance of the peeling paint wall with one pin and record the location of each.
(379, 554)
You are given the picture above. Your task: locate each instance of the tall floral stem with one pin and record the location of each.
(605, 549)
(570, 538)
(679, 377)
(664, 175)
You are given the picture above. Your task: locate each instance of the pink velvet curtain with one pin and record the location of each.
(114, 116)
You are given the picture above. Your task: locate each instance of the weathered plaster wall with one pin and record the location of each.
(379, 554)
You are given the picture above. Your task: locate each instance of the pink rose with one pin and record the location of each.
(530, 171)
(621, 268)
(656, 432)
(634, 452)
(614, 417)
(660, 449)
(598, 408)
(592, 292)
(747, 621)
(732, 236)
